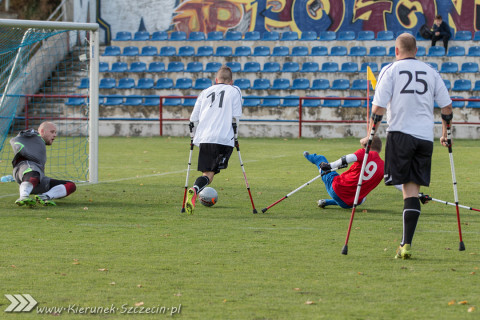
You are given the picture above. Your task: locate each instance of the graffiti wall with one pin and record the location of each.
(286, 15)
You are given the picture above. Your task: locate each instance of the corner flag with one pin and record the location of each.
(371, 77)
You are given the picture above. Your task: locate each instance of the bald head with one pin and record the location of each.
(224, 75)
(48, 132)
(405, 46)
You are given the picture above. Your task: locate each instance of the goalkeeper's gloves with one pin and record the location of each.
(325, 166)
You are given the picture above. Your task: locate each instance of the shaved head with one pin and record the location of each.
(48, 132)
(224, 75)
(406, 45)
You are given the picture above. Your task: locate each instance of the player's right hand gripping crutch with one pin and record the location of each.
(234, 125)
(376, 119)
(190, 126)
(447, 119)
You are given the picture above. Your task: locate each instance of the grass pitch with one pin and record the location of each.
(123, 246)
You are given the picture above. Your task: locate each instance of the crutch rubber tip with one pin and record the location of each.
(462, 246)
(345, 250)
(254, 210)
(183, 210)
(264, 210)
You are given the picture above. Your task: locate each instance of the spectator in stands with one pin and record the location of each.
(30, 151)
(441, 31)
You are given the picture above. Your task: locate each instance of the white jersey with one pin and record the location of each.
(408, 89)
(214, 111)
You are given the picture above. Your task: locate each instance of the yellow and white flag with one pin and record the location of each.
(371, 77)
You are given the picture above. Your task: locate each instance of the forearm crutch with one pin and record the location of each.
(190, 126)
(425, 198)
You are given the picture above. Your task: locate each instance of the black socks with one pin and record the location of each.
(411, 213)
(201, 183)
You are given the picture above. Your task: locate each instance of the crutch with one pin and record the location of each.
(234, 125)
(191, 126)
(425, 198)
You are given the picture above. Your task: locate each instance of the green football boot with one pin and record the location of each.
(404, 252)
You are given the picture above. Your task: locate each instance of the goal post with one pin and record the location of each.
(49, 72)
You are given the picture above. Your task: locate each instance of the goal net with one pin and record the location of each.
(49, 72)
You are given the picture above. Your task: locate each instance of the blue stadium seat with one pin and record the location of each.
(270, 101)
(251, 101)
(234, 66)
(463, 36)
(436, 51)
(233, 36)
(384, 64)
(242, 51)
(107, 83)
(299, 51)
(476, 36)
(477, 86)
(126, 83)
(421, 51)
(346, 35)
(145, 83)
(329, 67)
(300, 84)
(359, 84)
(149, 51)
(194, 66)
(338, 51)
(261, 84)
(448, 84)
(291, 101)
(186, 51)
(156, 66)
(474, 51)
(138, 66)
(281, 84)
(320, 84)
(290, 67)
(419, 37)
(215, 35)
(449, 67)
(196, 36)
(84, 83)
(189, 102)
(152, 100)
(130, 51)
(365, 35)
(385, 35)
(331, 103)
(202, 83)
(470, 67)
(457, 104)
(261, 51)
(224, 51)
(403, 31)
(372, 65)
(358, 51)
(251, 66)
(178, 36)
(280, 51)
(242, 83)
(183, 83)
(164, 83)
(311, 103)
(172, 101)
(119, 67)
(175, 66)
(456, 51)
(141, 36)
(103, 66)
(433, 65)
(327, 36)
(251, 36)
(159, 36)
(111, 51)
(349, 67)
(352, 103)
(340, 84)
(75, 101)
(204, 51)
(167, 51)
(289, 36)
(462, 85)
(391, 51)
(133, 100)
(113, 100)
(308, 36)
(473, 104)
(378, 51)
(309, 67)
(123, 36)
(270, 36)
(319, 51)
(271, 67)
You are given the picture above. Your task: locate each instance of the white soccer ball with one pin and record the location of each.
(208, 196)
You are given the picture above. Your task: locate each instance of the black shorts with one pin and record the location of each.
(213, 157)
(407, 159)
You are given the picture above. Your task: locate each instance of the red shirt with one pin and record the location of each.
(345, 185)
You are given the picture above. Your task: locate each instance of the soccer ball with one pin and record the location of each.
(208, 196)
